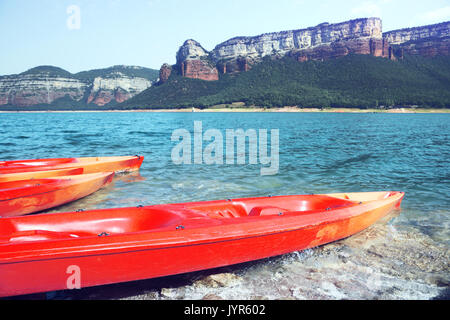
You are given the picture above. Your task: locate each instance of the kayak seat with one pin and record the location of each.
(265, 211)
(78, 224)
(223, 214)
(226, 210)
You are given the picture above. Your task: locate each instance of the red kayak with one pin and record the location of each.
(29, 196)
(89, 165)
(81, 249)
(7, 177)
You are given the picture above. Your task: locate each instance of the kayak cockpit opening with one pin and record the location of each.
(365, 196)
(159, 218)
(74, 225)
(271, 206)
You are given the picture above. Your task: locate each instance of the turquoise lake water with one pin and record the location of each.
(318, 153)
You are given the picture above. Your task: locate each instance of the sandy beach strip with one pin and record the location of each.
(252, 109)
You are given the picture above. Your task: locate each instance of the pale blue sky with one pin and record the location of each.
(149, 32)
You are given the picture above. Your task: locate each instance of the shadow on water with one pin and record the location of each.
(352, 160)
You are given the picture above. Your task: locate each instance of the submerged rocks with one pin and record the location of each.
(218, 280)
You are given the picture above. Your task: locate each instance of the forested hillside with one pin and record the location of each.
(352, 81)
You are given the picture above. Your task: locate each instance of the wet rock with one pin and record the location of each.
(212, 296)
(219, 280)
(330, 289)
(438, 280)
(259, 298)
(170, 293)
(286, 298)
(146, 296)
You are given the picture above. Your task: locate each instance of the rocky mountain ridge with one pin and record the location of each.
(428, 41)
(325, 41)
(46, 85)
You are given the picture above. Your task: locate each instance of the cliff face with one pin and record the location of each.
(31, 89)
(339, 39)
(361, 36)
(45, 85)
(194, 62)
(119, 89)
(439, 30)
(325, 41)
(370, 46)
(164, 73)
(426, 41)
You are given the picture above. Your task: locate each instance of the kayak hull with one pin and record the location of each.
(89, 165)
(30, 196)
(8, 177)
(195, 245)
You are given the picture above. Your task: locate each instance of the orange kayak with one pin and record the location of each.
(7, 177)
(29, 196)
(59, 251)
(89, 165)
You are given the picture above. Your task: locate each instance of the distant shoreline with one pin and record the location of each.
(252, 109)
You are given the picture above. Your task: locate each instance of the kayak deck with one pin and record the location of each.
(160, 218)
(89, 164)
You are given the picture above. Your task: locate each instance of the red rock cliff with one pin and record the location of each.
(194, 62)
(164, 73)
